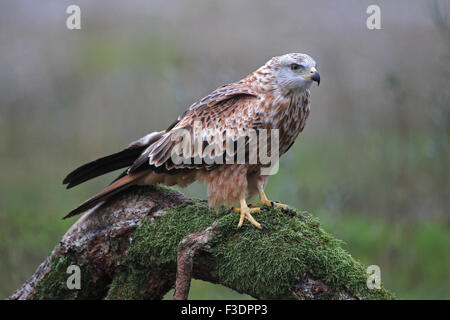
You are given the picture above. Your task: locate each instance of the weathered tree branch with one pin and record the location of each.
(148, 240)
(187, 249)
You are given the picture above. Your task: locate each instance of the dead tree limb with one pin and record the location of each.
(187, 249)
(148, 240)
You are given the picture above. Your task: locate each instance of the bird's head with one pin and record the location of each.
(293, 71)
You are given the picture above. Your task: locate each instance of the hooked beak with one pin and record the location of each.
(315, 76)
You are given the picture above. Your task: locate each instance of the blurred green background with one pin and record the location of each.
(372, 163)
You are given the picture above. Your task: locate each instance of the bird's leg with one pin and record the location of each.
(246, 214)
(263, 201)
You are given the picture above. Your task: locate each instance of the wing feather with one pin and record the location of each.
(228, 110)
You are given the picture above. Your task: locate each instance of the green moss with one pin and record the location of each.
(54, 285)
(156, 244)
(265, 264)
(154, 247)
(260, 263)
(128, 284)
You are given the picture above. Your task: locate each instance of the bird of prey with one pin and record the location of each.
(274, 97)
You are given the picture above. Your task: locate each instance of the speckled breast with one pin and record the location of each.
(292, 122)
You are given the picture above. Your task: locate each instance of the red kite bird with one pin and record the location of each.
(274, 98)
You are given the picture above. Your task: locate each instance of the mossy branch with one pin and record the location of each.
(148, 240)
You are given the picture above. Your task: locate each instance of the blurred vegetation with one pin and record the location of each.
(372, 164)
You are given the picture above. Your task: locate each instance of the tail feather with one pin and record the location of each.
(115, 187)
(122, 159)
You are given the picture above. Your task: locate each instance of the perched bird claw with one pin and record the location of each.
(246, 212)
(270, 204)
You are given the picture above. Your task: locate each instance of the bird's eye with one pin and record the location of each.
(295, 67)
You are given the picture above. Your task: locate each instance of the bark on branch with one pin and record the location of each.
(148, 240)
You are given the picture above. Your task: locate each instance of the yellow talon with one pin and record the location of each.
(246, 214)
(266, 202)
(256, 207)
(269, 203)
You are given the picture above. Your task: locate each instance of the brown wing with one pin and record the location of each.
(221, 94)
(227, 113)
